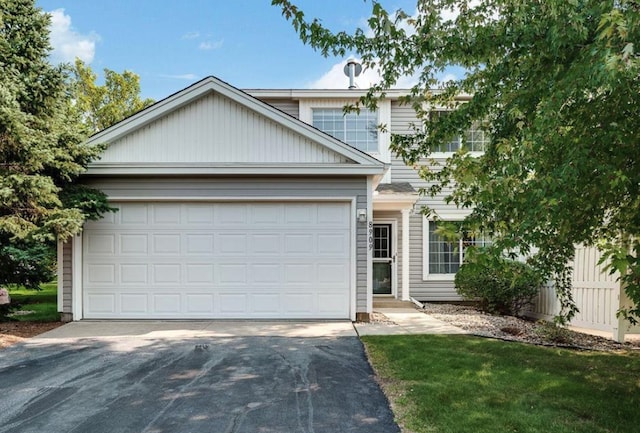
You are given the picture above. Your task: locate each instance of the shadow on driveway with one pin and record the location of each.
(154, 382)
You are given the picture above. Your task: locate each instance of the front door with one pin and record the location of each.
(383, 259)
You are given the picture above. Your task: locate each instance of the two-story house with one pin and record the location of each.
(409, 258)
(262, 203)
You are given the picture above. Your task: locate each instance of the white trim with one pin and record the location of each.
(60, 273)
(76, 269)
(394, 202)
(228, 199)
(369, 230)
(354, 259)
(426, 276)
(406, 213)
(97, 168)
(394, 256)
(296, 94)
(384, 137)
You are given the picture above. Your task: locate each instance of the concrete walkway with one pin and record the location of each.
(406, 321)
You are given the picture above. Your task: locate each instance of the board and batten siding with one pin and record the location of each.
(402, 117)
(287, 188)
(288, 106)
(216, 129)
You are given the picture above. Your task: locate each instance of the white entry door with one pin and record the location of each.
(219, 260)
(384, 257)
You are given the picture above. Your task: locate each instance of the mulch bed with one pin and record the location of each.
(14, 332)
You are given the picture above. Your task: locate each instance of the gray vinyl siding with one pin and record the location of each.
(67, 276)
(287, 105)
(402, 117)
(362, 246)
(148, 189)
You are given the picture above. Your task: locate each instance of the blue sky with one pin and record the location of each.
(172, 44)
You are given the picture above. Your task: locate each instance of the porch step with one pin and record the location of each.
(391, 303)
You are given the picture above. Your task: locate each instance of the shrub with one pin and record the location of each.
(502, 286)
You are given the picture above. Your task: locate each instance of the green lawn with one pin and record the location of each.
(464, 384)
(43, 302)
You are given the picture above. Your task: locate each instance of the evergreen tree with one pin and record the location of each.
(42, 148)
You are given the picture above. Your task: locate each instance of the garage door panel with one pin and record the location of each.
(232, 304)
(332, 303)
(199, 304)
(134, 214)
(199, 273)
(266, 304)
(333, 215)
(101, 243)
(232, 274)
(102, 274)
(134, 274)
(299, 274)
(101, 303)
(265, 244)
(332, 244)
(165, 243)
(299, 244)
(133, 304)
(332, 274)
(228, 260)
(265, 274)
(265, 214)
(165, 214)
(166, 273)
(231, 244)
(298, 303)
(164, 303)
(198, 215)
(299, 214)
(230, 215)
(133, 243)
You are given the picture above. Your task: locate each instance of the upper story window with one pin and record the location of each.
(360, 130)
(474, 140)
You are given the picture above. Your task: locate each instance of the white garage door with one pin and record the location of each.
(218, 260)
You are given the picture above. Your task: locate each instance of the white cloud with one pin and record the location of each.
(448, 77)
(189, 77)
(67, 43)
(191, 35)
(211, 45)
(335, 78)
(451, 13)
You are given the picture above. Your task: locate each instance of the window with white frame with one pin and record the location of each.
(474, 138)
(360, 130)
(444, 257)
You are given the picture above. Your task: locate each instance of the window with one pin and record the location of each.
(360, 130)
(444, 256)
(474, 138)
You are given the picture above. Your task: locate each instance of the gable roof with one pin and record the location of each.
(212, 127)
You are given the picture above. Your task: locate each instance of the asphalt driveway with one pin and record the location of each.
(193, 377)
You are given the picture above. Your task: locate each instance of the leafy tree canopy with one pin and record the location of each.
(103, 106)
(557, 84)
(41, 147)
